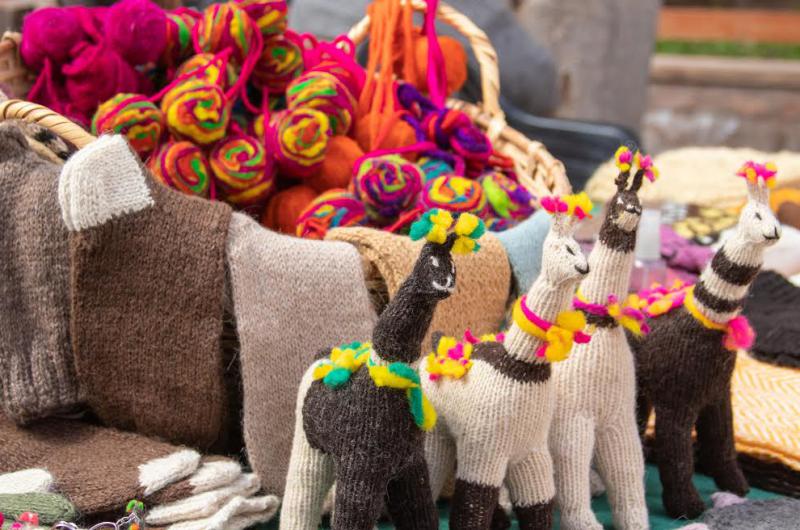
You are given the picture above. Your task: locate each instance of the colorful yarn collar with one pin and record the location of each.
(452, 358)
(738, 332)
(558, 336)
(345, 360)
(627, 314)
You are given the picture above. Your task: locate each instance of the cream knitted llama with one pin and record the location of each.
(595, 390)
(495, 410)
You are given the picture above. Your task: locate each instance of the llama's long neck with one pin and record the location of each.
(719, 293)
(547, 300)
(610, 264)
(402, 326)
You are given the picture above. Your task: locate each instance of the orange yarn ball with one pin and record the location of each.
(455, 62)
(400, 134)
(337, 168)
(285, 206)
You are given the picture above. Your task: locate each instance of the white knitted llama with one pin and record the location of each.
(493, 396)
(595, 390)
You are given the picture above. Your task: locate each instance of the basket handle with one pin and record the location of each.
(16, 109)
(484, 51)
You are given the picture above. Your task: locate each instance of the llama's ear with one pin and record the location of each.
(638, 178)
(563, 224)
(758, 192)
(450, 241)
(622, 180)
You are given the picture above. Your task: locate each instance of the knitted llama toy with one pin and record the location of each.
(494, 397)
(684, 365)
(595, 390)
(364, 427)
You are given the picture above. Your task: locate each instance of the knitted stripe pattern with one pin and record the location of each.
(595, 390)
(50, 507)
(494, 420)
(37, 372)
(148, 276)
(684, 369)
(363, 435)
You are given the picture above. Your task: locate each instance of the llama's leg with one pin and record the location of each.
(572, 445)
(309, 478)
(409, 499)
(361, 486)
(620, 461)
(480, 474)
(440, 453)
(530, 483)
(643, 409)
(675, 462)
(717, 451)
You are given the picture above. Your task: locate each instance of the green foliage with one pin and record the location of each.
(730, 49)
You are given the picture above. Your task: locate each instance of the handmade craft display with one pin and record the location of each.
(595, 390)
(387, 185)
(684, 365)
(332, 209)
(361, 414)
(243, 170)
(478, 384)
(183, 166)
(133, 116)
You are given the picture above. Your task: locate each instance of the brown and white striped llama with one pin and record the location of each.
(494, 397)
(684, 365)
(595, 389)
(361, 414)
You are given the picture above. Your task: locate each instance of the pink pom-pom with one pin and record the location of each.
(740, 335)
(554, 205)
(50, 33)
(137, 29)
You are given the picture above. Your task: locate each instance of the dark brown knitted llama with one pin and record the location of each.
(363, 425)
(684, 365)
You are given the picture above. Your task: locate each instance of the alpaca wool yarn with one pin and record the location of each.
(208, 67)
(242, 170)
(49, 33)
(135, 117)
(281, 61)
(337, 169)
(197, 110)
(137, 30)
(332, 209)
(269, 15)
(183, 166)
(284, 208)
(455, 194)
(508, 199)
(180, 24)
(301, 141)
(226, 27)
(257, 128)
(324, 92)
(387, 185)
(434, 167)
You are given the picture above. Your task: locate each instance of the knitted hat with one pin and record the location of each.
(97, 469)
(291, 298)
(484, 278)
(37, 375)
(147, 296)
(50, 507)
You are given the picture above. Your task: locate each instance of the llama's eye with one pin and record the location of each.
(758, 216)
(571, 252)
(434, 261)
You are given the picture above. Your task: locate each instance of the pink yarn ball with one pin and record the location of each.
(49, 33)
(137, 29)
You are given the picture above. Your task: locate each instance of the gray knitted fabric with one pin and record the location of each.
(774, 514)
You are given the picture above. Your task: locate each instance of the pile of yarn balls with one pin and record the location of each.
(293, 159)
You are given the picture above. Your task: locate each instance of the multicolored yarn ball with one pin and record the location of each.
(285, 207)
(332, 209)
(226, 26)
(137, 30)
(257, 128)
(179, 37)
(208, 68)
(197, 110)
(324, 92)
(281, 61)
(183, 166)
(507, 197)
(269, 15)
(434, 167)
(242, 169)
(301, 141)
(498, 224)
(134, 116)
(455, 194)
(387, 185)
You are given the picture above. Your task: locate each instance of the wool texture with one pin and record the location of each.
(212, 474)
(50, 507)
(33, 480)
(238, 514)
(777, 514)
(362, 432)
(479, 302)
(148, 272)
(291, 297)
(204, 504)
(684, 370)
(523, 245)
(595, 389)
(98, 469)
(772, 307)
(507, 380)
(37, 372)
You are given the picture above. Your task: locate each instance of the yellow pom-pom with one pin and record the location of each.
(623, 158)
(441, 221)
(466, 224)
(464, 245)
(571, 320)
(579, 205)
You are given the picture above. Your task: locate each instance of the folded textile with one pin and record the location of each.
(148, 273)
(772, 307)
(212, 473)
(50, 507)
(26, 481)
(292, 297)
(239, 513)
(204, 504)
(37, 372)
